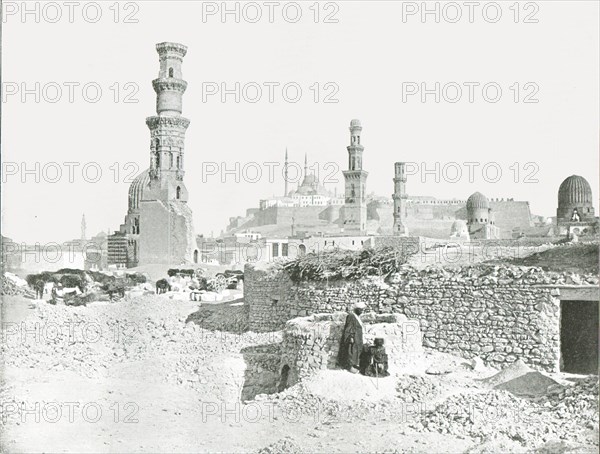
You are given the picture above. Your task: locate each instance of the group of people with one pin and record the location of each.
(354, 355)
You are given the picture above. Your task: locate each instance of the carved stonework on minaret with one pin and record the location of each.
(400, 197)
(168, 127)
(355, 207)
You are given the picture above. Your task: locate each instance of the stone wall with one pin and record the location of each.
(498, 313)
(262, 374)
(312, 343)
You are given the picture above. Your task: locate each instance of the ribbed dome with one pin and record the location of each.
(136, 189)
(574, 190)
(477, 201)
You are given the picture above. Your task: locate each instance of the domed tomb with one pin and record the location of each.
(136, 190)
(575, 200)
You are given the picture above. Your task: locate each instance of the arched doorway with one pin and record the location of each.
(302, 249)
(283, 380)
(196, 256)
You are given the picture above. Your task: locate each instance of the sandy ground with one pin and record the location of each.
(166, 392)
(134, 410)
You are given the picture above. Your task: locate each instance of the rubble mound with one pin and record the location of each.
(282, 446)
(569, 415)
(563, 447)
(483, 274)
(520, 380)
(497, 444)
(579, 401)
(230, 316)
(342, 264)
(145, 336)
(14, 285)
(417, 388)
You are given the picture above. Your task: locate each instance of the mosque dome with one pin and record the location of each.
(574, 190)
(136, 189)
(477, 201)
(309, 180)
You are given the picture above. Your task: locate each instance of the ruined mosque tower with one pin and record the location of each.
(158, 227)
(400, 197)
(355, 205)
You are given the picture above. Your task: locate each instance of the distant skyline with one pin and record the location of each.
(365, 58)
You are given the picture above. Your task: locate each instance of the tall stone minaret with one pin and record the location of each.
(166, 230)
(399, 197)
(305, 164)
(168, 127)
(285, 174)
(83, 227)
(355, 206)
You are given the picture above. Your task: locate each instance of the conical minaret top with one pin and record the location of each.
(169, 86)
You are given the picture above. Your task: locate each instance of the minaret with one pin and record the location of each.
(305, 164)
(399, 197)
(162, 231)
(167, 128)
(83, 226)
(285, 173)
(355, 206)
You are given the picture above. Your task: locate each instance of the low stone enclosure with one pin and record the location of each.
(497, 312)
(312, 343)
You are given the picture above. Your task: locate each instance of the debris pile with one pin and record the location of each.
(489, 274)
(579, 401)
(14, 285)
(106, 340)
(387, 261)
(564, 416)
(417, 388)
(229, 316)
(345, 264)
(282, 446)
(520, 380)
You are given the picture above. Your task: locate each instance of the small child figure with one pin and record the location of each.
(377, 365)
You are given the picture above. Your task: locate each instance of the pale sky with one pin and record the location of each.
(368, 55)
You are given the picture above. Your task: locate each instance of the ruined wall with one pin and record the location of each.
(312, 343)
(497, 313)
(262, 374)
